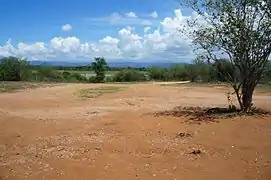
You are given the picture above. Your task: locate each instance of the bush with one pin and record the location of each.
(157, 74)
(66, 74)
(129, 75)
(109, 79)
(93, 79)
(77, 77)
(48, 74)
(14, 69)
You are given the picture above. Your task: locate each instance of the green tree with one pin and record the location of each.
(239, 30)
(99, 66)
(14, 69)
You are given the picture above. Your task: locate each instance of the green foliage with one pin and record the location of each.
(157, 74)
(74, 77)
(47, 74)
(99, 66)
(93, 79)
(14, 69)
(109, 79)
(191, 72)
(129, 75)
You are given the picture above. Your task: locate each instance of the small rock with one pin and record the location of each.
(98, 148)
(184, 134)
(195, 152)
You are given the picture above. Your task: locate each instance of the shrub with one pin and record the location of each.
(78, 77)
(129, 75)
(48, 74)
(109, 79)
(158, 74)
(93, 79)
(14, 69)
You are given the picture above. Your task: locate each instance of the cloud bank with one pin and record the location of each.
(157, 43)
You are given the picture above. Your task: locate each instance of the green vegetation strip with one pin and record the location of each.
(99, 91)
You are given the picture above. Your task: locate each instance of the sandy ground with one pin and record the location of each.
(50, 133)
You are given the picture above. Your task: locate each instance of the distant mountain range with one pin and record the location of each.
(111, 64)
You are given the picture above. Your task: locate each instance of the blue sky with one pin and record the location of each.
(83, 29)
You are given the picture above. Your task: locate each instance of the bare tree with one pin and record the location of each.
(239, 30)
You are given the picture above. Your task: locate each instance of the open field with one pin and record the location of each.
(111, 133)
(91, 73)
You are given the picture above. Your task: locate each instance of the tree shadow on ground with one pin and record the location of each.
(198, 115)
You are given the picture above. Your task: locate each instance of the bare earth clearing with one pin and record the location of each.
(57, 133)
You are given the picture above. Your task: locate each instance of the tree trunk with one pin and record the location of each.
(247, 93)
(238, 95)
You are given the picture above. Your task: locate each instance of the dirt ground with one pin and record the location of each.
(50, 133)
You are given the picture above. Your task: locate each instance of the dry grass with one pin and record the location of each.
(200, 115)
(6, 86)
(260, 88)
(96, 92)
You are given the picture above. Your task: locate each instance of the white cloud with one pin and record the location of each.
(109, 40)
(131, 15)
(117, 19)
(173, 24)
(131, 19)
(66, 27)
(154, 14)
(146, 29)
(164, 42)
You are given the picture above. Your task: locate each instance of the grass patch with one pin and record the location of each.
(16, 86)
(96, 92)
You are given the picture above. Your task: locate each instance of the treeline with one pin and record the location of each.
(15, 69)
(90, 68)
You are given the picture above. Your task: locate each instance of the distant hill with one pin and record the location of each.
(59, 63)
(111, 64)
